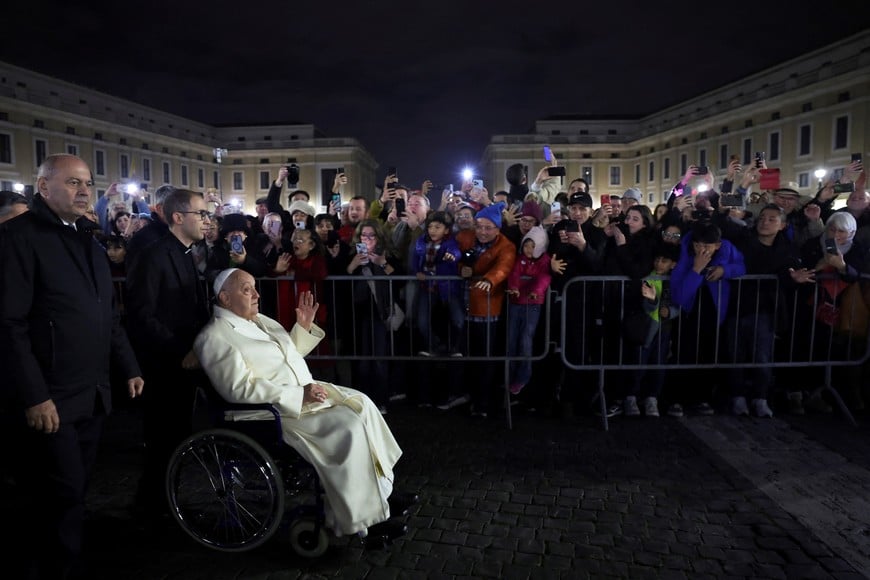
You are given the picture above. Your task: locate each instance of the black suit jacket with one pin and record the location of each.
(166, 303)
(59, 327)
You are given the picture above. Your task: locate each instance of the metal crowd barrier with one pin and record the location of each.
(582, 325)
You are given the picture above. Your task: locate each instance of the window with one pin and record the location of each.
(666, 170)
(747, 151)
(40, 151)
(702, 157)
(167, 174)
(238, 181)
(184, 175)
(99, 162)
(72, 149)
(553, 132)
(200, 178)
(805, 139)
(637, 173)
(70, 130)
(586, 173)
(264, 180)
(841, 132)
(652, 170)
(773, 147)
(723, 156)
(5, 148)
(615, 175)
(216, 180)
(684, 163)
(806, 107)
(146, 169)
(804, 179)
(124, 161)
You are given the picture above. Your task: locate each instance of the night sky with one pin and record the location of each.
(422, 85)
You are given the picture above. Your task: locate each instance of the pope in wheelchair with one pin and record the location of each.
(251, 358)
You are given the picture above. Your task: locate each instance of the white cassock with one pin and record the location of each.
(345, 437)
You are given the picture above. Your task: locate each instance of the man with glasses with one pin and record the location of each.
(487, 260)
(59, 329)
(167, 308)
(802, 222)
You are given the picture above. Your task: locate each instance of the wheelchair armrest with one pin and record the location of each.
(227, 406)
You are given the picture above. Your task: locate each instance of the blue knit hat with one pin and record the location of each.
(492, 213)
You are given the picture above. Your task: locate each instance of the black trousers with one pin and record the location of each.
(52, 475)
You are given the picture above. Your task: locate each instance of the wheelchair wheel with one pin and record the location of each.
(225, 491)
(307, 538)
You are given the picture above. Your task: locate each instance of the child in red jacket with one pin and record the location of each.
(527, 287)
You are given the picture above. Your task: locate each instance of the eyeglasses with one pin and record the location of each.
(368, 236)
(485, 228)
(203, 214)
(672, 235)
(528, 220)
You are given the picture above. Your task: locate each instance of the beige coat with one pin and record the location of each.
(345, 437)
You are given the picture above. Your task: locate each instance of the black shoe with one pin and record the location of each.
(400, 503)
(383, 534)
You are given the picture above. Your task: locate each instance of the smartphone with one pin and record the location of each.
(844, 188)
(759, 159)
(275, 228)
(339, 171)
(400, 206)
(548, 155)
(555, 207)
(449, 187)
(362, 249)
(300, 225)
(572, 226)
(831, 246)
(392, 171)
(236, 245)
(336, 201)
(556, 171)
(702, 170)
(477, 183)
(517, 206)
(856, 157)
(605, 199)
(731, 200)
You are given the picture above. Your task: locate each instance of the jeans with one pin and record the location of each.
(750, 339)
(427, 302)
(522, 322)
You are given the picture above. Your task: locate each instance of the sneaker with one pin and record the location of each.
(454, 401)
(738, 407)
(651, 407)
(613, 410)
(630, 405)
(516, 388)
(675, 410)
(424, 353)
(796, 403)
(705, 409)
(761, 408)
(818, 404)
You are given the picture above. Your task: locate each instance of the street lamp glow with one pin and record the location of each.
(820, 173)
(18, 187)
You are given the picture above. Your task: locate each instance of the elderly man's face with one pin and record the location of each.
(239, 295)
(68, 191)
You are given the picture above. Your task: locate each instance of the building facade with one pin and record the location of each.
(807, 114)
(127, 142)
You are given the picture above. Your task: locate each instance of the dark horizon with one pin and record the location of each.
(425, 88)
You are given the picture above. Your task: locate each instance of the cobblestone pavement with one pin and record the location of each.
(551, 498)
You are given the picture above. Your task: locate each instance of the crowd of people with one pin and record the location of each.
(718, 274)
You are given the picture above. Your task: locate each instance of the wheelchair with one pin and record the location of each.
(229, 486)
